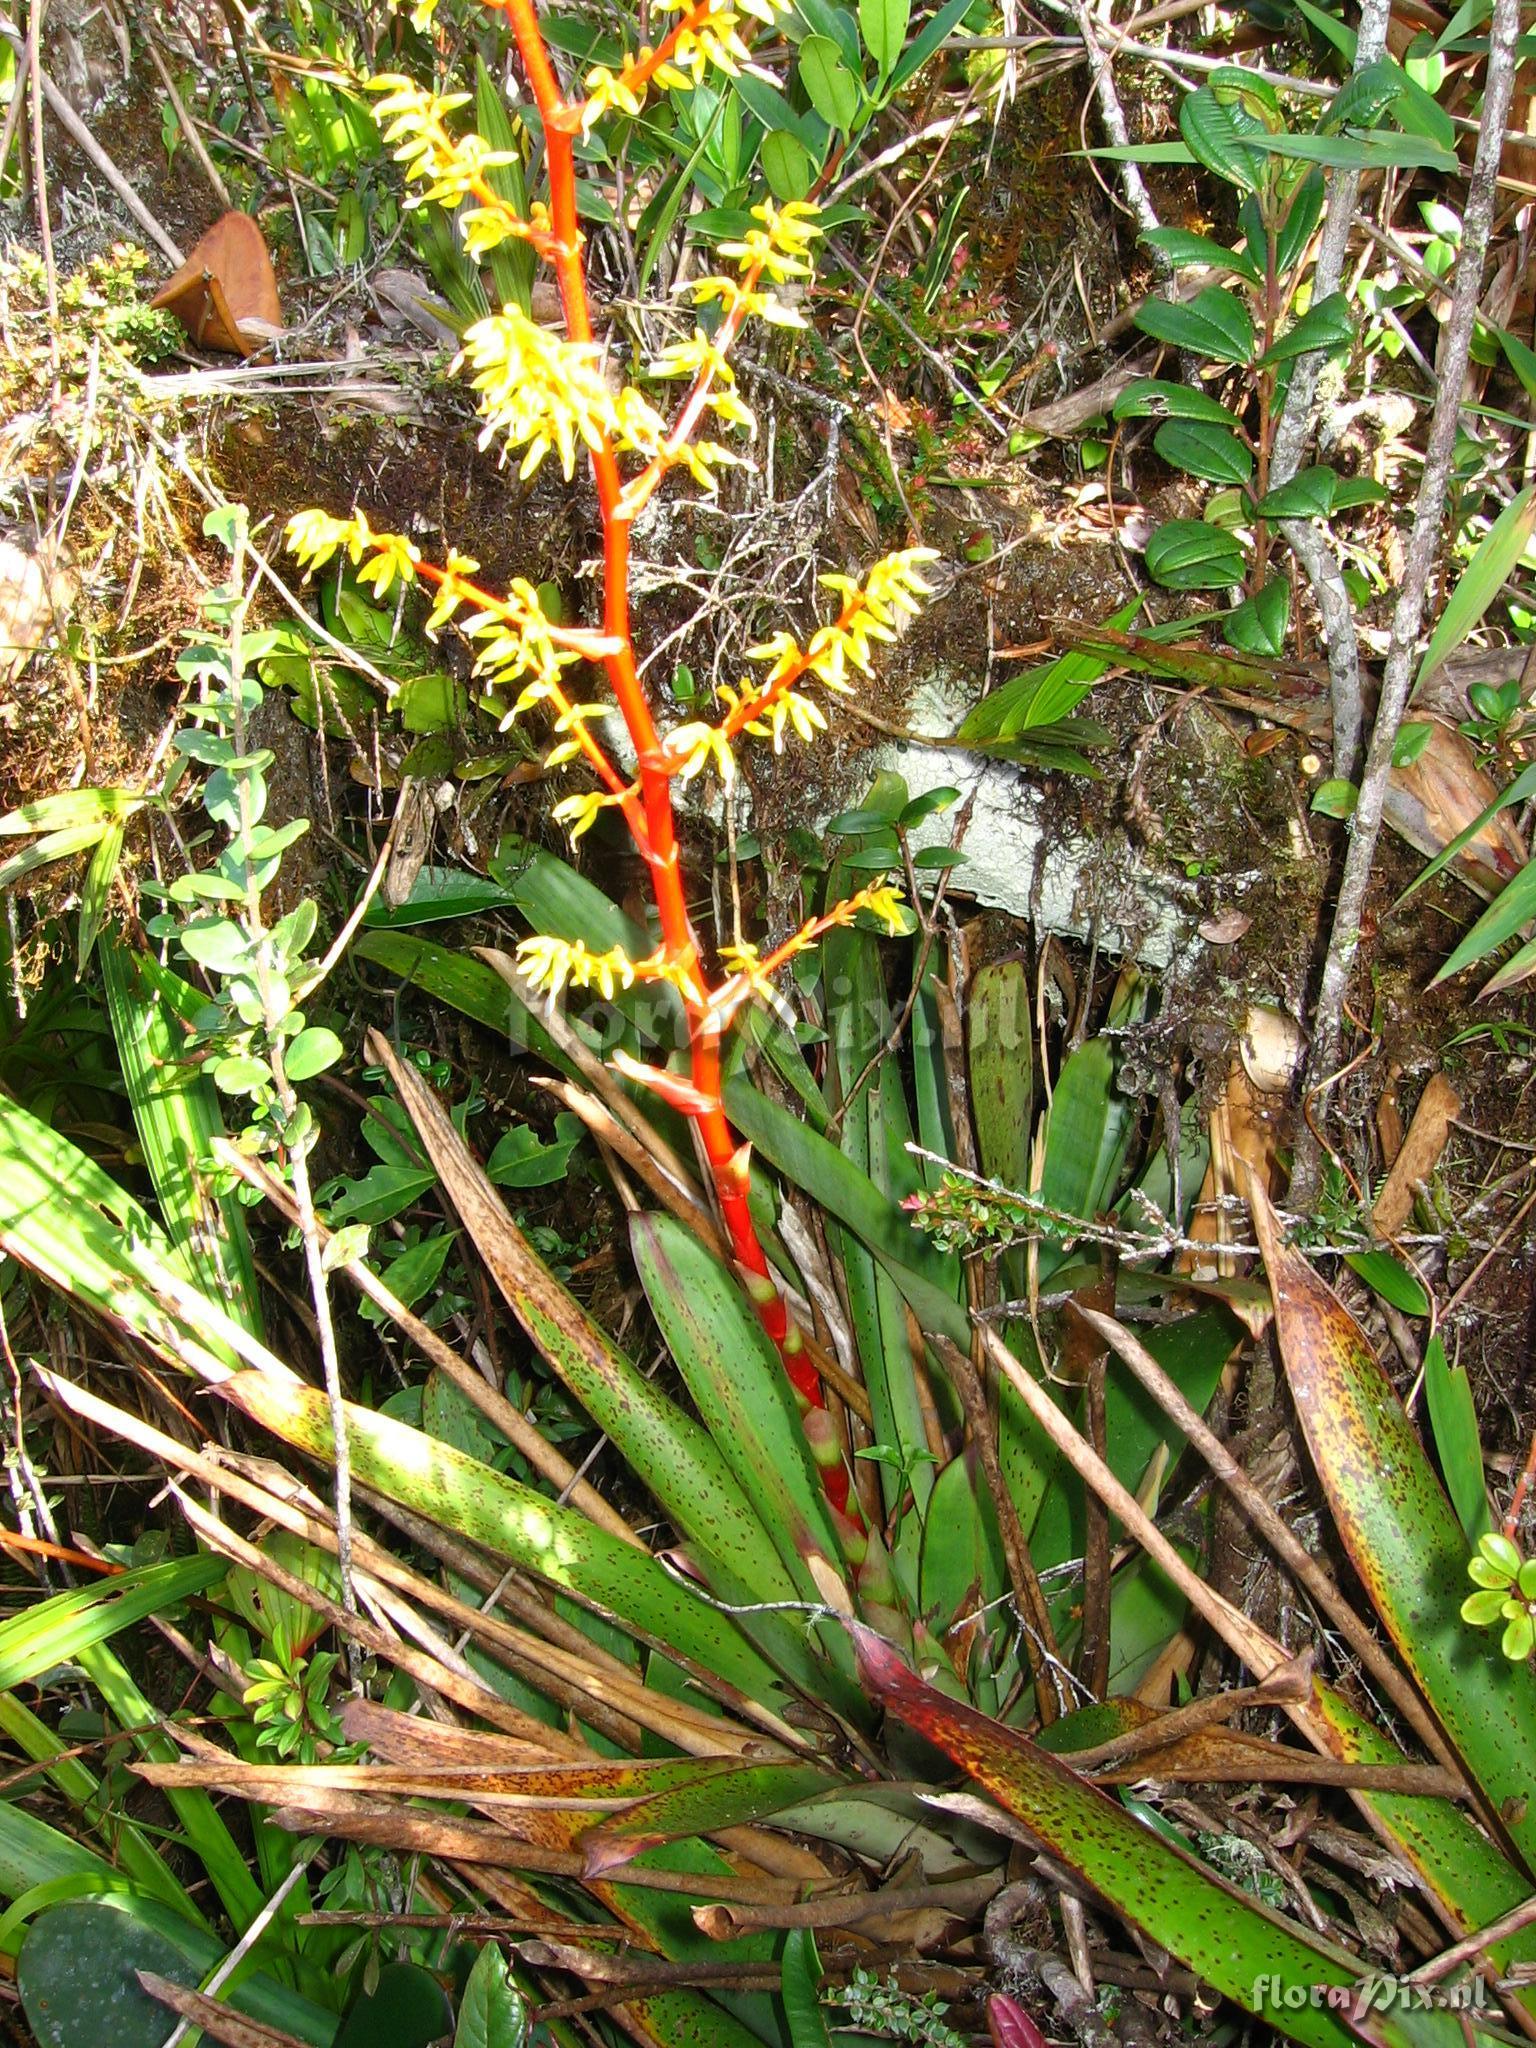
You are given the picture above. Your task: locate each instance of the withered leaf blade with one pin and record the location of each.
(225, 294)
(1403, 1539)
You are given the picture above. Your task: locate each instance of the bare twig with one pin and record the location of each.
(1423, 546)
(88, 146)
(189, 127)
(1312, 549)
(1112, 114)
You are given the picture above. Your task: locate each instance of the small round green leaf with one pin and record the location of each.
(311, 1053)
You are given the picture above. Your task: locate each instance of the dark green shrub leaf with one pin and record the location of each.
(1186, 554)
(1310, 494)
(1215, 324)
(1327, 325)
(1204, 450)
(1154, 398)
(927, 805)
(1185, 251)
(801, 1980)
(1412, 738)
(1301, 220)
(1358, 490)
(1218, 135)
(1259, 624)
(407, 2008)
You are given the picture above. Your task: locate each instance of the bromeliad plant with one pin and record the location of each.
(542, 393)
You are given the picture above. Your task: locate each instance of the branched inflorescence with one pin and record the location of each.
(540, 393)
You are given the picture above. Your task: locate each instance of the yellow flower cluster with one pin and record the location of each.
(539, 392)
(778, 250)
(873, 610)
(416, 120)
(752, 975)
(315, 538)
(708, 38)
(707, 364)
(781, 248)
(515, 639)
(789, 708)
(555, 964)
(711, 40)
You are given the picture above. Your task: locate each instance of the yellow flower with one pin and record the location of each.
(608, 92)
(450, 593)
(578, 814)
(691, 748)
(553, 964)
(540, 392)
(884, 901)
(780, 248)
(395, 556)
(711, 41)
(731, 295)
(314, 537)
(790, 709)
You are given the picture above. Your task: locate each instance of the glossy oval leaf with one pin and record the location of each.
(1187, 554)
(829, 85)
(1158, 399)
(1204, 450)
(492, 2012)
(1215, 324)
(79, 1983)
(1328, 325)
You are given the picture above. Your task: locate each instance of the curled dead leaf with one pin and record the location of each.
(225, 294)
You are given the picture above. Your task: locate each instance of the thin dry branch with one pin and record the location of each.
(1424, 545)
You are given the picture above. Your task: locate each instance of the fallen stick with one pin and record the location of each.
(89, 147)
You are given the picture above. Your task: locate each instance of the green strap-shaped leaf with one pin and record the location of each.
(56, 1631)
(743, 1396)
(665, 1447)
(1246, 1951)
(176, 1113)
(70, 1223)
(801, 1985)
(735, 1796)
(555, 1543)
(1402, 1535)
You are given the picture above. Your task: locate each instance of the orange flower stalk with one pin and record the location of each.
(542, 393)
